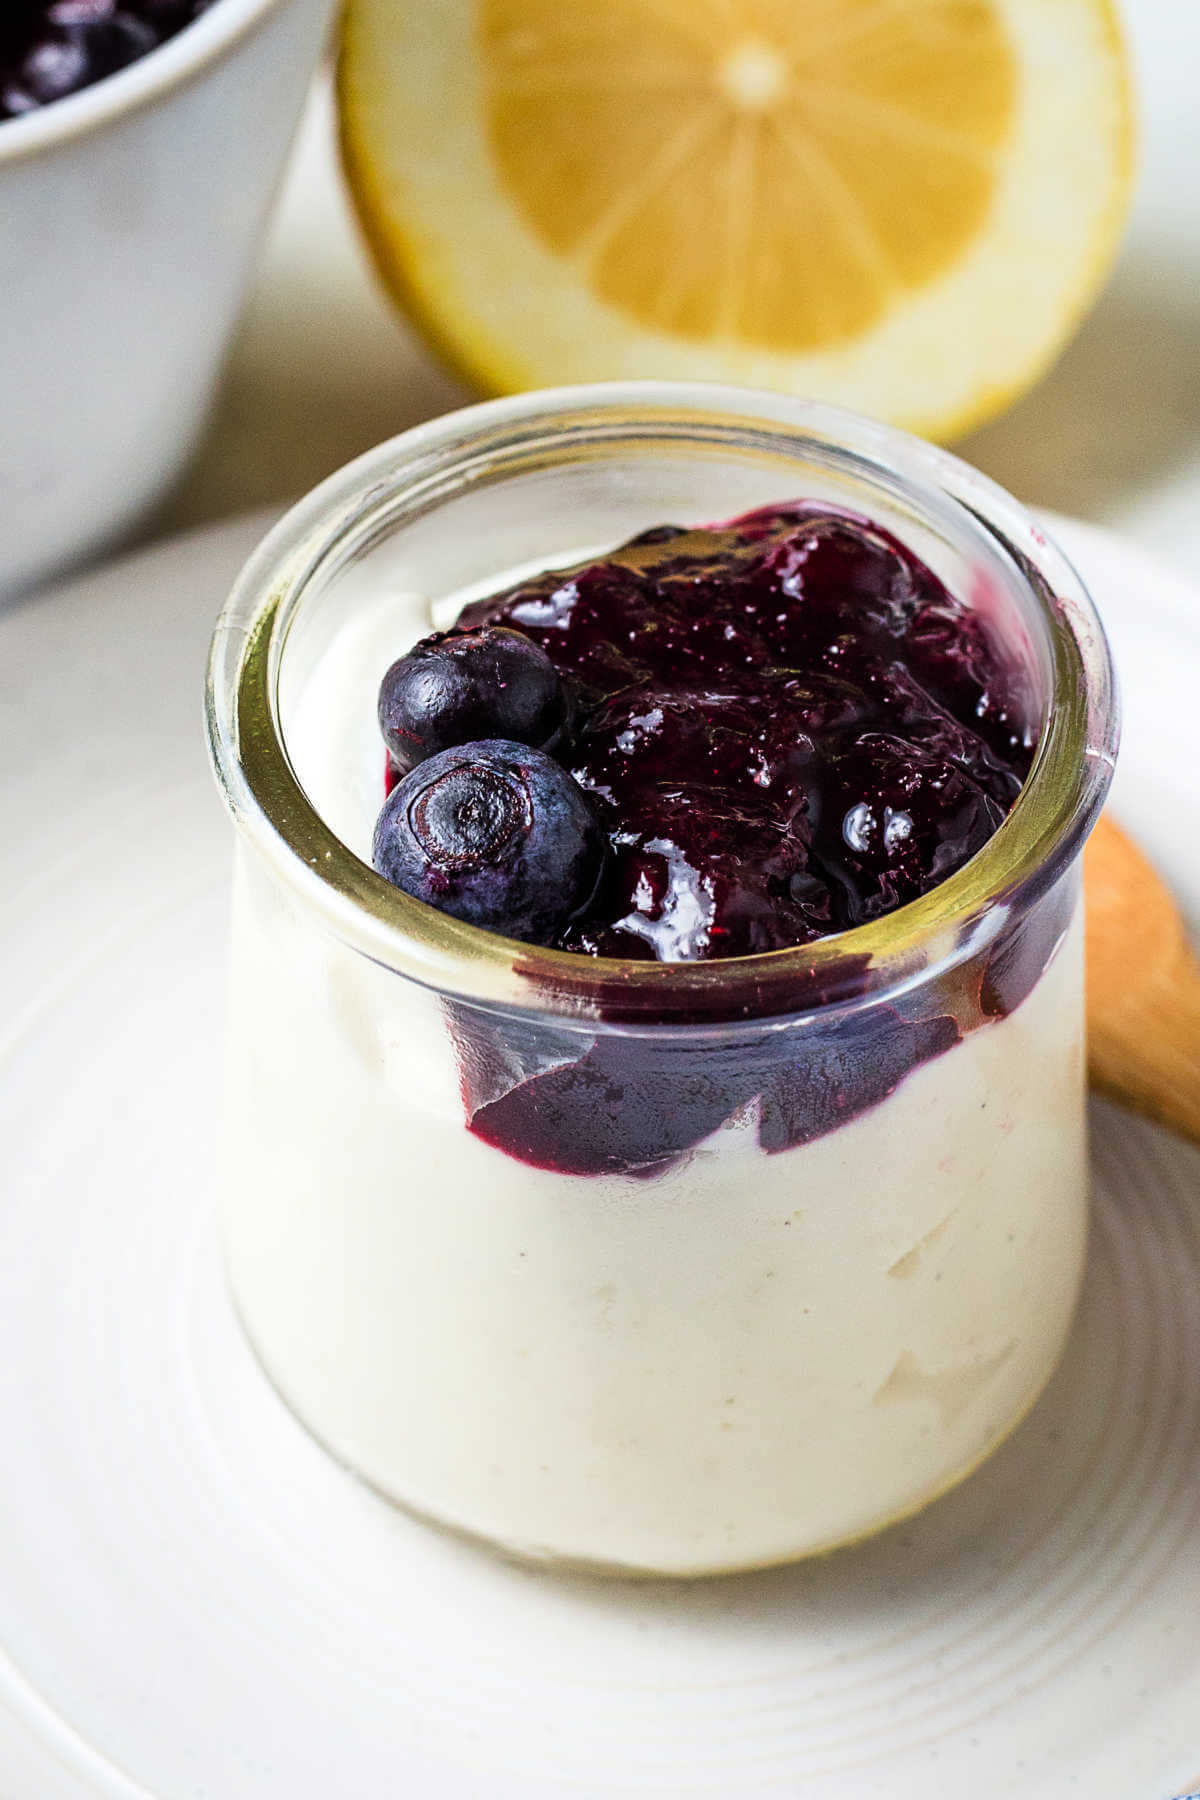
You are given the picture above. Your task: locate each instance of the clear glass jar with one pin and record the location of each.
(657, 1268)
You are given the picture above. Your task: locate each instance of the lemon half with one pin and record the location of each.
(900, 205)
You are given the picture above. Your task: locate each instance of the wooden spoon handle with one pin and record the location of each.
(1143, 986)
(1155, 1065)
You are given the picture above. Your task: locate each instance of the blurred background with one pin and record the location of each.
(323, 366)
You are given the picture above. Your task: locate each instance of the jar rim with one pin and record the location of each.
(1039, 838)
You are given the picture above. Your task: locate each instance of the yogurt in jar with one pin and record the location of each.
(656, 1265)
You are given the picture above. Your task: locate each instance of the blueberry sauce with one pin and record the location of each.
(52, 48)
(631, 1106)
(788, 727)
(785, 727)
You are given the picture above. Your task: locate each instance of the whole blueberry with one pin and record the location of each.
(497, 834)
(123, 40)
(460, 687)
(56, 67)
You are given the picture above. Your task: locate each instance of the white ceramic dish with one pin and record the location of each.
(129, 218)
(195, 1599)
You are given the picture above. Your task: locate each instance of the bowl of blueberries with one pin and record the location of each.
(140, 144)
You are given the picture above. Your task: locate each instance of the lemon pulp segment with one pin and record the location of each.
(772, 173)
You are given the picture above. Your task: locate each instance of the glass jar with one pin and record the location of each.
(673, 1268)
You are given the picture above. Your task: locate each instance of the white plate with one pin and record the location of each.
(196, 1601)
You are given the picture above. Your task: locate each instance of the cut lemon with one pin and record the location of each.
(901, 205)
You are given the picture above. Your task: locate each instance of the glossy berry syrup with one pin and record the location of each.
(52, 48)
(784, 727)
(787, 726)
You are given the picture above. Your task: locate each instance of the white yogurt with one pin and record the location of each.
(744, 1359)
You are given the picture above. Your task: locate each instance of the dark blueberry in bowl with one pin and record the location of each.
(459, 687)
(52, 48)
(494, 833)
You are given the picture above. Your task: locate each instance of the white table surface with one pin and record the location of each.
(323, 367)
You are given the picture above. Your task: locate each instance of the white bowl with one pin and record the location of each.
(129, 218)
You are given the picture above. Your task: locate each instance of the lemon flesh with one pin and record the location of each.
(901, 205)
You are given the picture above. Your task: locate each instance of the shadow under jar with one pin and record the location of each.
(659, 1268)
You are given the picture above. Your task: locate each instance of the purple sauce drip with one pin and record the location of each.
(631, 1106)
(790, 727)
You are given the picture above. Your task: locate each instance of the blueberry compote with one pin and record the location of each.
(52, 48)
(770, 731)
(786, 727)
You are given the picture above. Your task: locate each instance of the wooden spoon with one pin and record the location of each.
(1143, 986)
